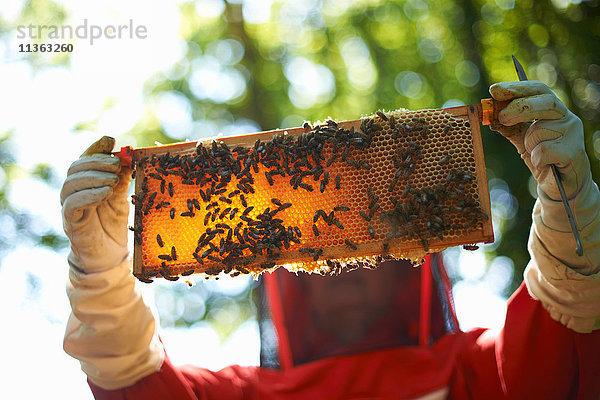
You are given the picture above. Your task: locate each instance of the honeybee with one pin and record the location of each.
(382, 115)
(445, 159)
(315, 230)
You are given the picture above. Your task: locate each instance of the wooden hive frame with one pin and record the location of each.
(463, 136)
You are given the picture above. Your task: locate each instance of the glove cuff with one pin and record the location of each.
(568, 285)
(569, 297)
(552, 229)
(111, 331)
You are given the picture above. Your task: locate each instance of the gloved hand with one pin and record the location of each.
(544, 132)
(95, 208)
(111, 330)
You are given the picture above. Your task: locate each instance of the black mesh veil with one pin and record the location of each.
(269, 354)
(310, 317)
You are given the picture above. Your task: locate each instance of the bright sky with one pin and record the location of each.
(43, 107)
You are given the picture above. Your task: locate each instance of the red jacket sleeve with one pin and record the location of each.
(186, 383)
(535, 357)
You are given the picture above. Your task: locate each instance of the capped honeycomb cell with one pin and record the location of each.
(399, 184)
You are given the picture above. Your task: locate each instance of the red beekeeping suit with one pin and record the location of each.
(533, 356)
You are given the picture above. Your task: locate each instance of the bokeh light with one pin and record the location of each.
(467, 73)
(361, 72)
(174, 110)
(410, 84)
(213, 81)
(311, 84)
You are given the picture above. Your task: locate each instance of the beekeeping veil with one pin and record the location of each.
(304, 317)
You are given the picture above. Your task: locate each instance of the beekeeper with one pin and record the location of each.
(361, 334)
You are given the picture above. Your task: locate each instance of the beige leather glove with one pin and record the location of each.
(111, 331)
(545, 132)
(555, 137)
(95, 208)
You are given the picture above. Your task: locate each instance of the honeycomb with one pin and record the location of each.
(391, 185)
